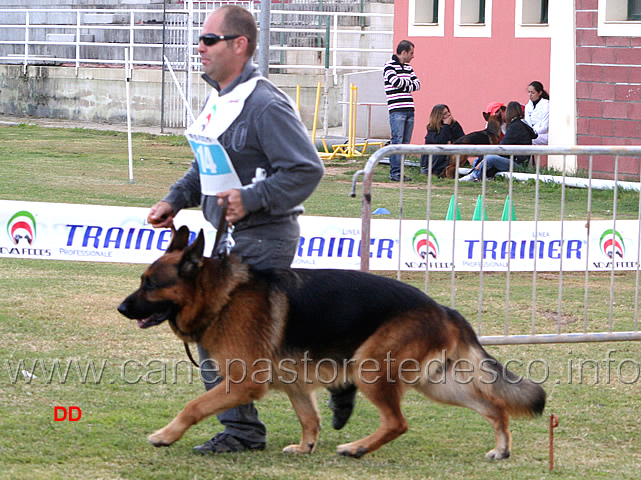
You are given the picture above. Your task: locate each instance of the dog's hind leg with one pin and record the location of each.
(304, 403)
(387, 398)
(500, 422)
(454, 392)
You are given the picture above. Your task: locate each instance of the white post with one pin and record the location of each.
(127, 79)
(26, 42)
(263, 38)
(77, 41)
(562, 83)
(335, 52)
(180, 90)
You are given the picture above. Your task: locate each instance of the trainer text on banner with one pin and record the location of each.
(121, 234)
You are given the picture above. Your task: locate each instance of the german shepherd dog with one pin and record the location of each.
(490, 135)
(297, 330)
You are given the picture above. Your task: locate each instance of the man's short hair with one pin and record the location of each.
(404, 46)
(240, 21)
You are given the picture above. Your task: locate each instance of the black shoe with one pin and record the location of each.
(226, 443)
(397, 178)
(342, 404)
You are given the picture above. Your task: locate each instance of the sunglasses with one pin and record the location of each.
(212, 39)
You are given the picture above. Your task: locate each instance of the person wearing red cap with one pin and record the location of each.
(518, 133)
(496, 109)
(493, 107)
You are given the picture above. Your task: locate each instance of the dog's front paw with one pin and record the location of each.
(160, 438)
(296, 448)
(495, 454)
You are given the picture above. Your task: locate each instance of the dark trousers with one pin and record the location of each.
(267, 246)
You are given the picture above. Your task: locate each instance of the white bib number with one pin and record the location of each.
(217, 173)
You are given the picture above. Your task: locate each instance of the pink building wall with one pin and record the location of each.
(468, 73)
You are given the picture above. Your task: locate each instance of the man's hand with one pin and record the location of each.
(235, 209)
(161, 215)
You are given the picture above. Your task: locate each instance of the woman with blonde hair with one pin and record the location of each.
(441, 129)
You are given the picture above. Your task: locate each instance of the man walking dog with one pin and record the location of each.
(252, 151)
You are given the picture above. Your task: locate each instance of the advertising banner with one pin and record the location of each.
(121, 234)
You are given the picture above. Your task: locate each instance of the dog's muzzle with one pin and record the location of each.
(145, 318)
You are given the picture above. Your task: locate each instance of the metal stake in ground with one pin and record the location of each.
(554, 422)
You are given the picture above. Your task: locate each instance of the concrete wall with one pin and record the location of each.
(94, 95)
(99, 94)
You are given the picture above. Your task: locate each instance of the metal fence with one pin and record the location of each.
(300, 39)
(80, 36)
(608, 297)
(330, 37)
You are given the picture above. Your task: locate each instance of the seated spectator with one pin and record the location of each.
(493, 111)
(441, 129)
(537, 112)
(518, 133)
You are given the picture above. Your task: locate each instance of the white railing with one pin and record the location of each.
(456, 234)
(39, 39)
(317, 42)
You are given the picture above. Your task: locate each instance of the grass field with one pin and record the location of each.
(58, 321)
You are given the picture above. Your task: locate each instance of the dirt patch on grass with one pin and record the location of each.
(553, 317)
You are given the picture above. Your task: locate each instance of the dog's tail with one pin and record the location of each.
(522, 397)
(518, 395)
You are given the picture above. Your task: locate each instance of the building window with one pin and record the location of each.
(619, 18)
(620, 10)
(472, 12)
(634, 9)
(426, 11)
(531, 19)
(544, 11)
(473, 18)
(534, 12)
(426, 18)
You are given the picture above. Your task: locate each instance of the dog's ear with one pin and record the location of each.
(179, 239)
(486, 116)
(192, 259)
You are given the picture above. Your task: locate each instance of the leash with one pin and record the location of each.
(221, 226)
(219, 235)
(190, 355)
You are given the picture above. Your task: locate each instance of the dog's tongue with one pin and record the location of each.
(152, 320)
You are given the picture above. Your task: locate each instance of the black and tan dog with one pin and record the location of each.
(490, 135)
(297, 330)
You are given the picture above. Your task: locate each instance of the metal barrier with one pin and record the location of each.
(300, 40)
(80, 36)
(533, 333)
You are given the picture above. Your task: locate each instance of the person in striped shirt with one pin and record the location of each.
(400, 81)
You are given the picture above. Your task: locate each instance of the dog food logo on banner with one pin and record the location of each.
(425, 245)
(612, 244)
(22, 228)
